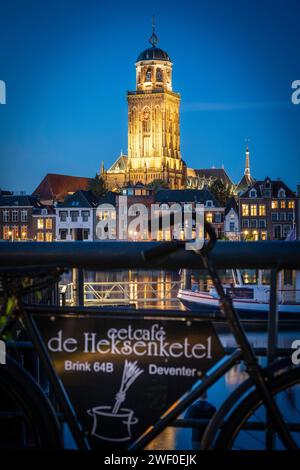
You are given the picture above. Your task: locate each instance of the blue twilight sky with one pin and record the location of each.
(67, 65)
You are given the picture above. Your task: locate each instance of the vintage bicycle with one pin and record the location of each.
(254, 415)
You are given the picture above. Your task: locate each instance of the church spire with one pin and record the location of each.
(247, 165)
(153, 38)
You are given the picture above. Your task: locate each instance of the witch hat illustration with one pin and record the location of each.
(113, 423)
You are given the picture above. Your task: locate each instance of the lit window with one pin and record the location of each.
(15, 231)
(282, 204)
(40, 236)
(274, 204)
(49, 224)
(6, 232)
(245, 210)
(49, 237)
(262, 210)
(24, 232)
(40, 224)
(291, 205)
(209, 217)
(253, 210)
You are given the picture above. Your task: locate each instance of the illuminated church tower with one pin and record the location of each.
(153, 121)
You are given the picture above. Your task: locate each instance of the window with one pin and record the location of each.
(44, 212)
(24, 215)
(159, 75)
(231, 227)
(267, 193)
(148, 75)
(40, 236)
(274, 216)
(268, 184)
(86, 233)
(209, 203)
(263, 235)
(274, 204)
(6, 235)
(282, 216)
(253, 223)
(63, 216)
(218, 218)
(286, 230)
(5, 216)
(282, 204)
(253, 210)
(49, 224)
(15, 232)
(253, 193)
(15, 216)
(49, 237)
(209, 217)
(245, 210)
(24, 232)
(74, 216)
(262, 210)
(85, 216)
(40, 224)
(291, 204)
(245, 223)
(281, 193)
(290, 216)
(262, 223)
(277, 231)
(63, 234)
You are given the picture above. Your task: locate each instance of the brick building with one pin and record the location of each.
(268, 209)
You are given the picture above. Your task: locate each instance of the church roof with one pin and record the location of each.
(244, 184)
(185, 195)
(154, 53)
(56, 187)
(214, 174)
(120, 164)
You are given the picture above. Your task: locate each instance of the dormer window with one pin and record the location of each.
(281, 193)
(268, 184)
(209, 203)
(253, 193)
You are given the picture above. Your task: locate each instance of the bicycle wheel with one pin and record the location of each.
(246, 427)
(27, 418)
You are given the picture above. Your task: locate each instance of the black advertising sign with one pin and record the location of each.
(123, 373)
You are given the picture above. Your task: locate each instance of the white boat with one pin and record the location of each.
(251, 300)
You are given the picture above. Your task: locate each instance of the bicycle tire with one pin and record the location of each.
(36, 409)
(233, 425)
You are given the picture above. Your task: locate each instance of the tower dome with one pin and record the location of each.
(154, 53)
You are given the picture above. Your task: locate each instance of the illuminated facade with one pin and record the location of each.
(153, 126)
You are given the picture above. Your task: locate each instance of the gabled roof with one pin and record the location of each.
(80, 199)
(23, 200)
(185, 195)
(56, 187)
(213, 174)
(275, 186)
(120, 164)
(244, 183)
(231, 204)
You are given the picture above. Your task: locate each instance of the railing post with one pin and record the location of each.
(77, 275)
(272, 344)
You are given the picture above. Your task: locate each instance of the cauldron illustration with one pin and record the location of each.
(113, 423)
(112, 426)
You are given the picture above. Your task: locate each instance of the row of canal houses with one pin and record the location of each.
(267, 209)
